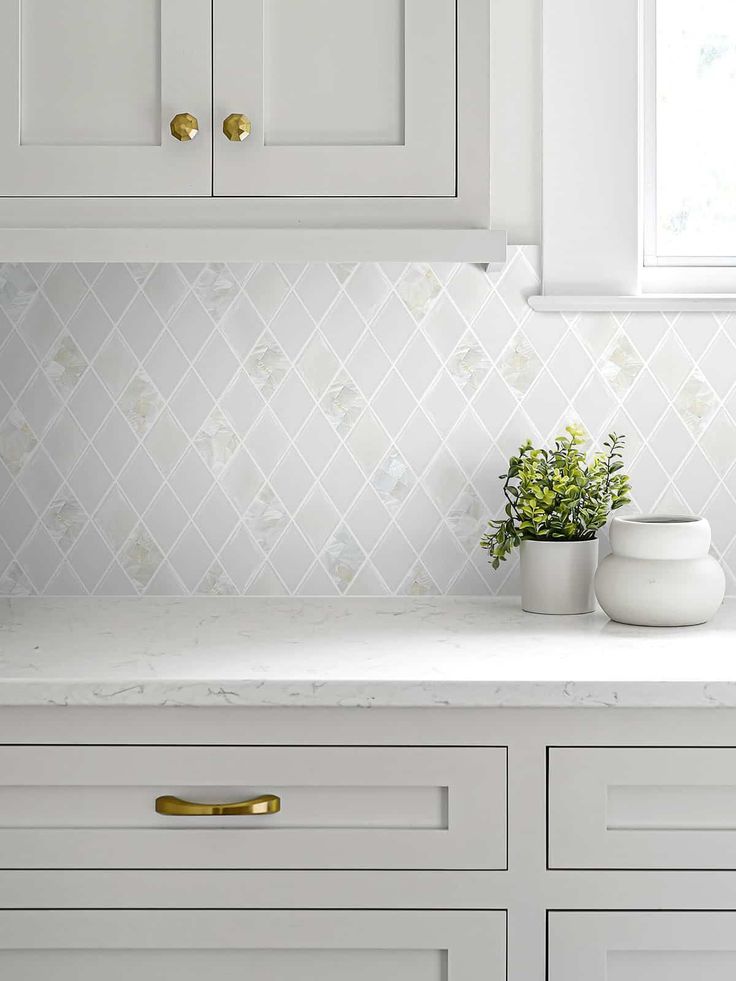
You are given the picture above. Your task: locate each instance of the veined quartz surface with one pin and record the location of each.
(387, 652)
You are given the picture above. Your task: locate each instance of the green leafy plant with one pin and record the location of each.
(558, 495)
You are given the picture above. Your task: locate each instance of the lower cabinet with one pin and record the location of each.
(272, 945)
(642, 946)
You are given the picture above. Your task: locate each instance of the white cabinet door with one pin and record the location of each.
(642, 808)
(642, 946)
(346, 98)
(88, 92)
(270, 945)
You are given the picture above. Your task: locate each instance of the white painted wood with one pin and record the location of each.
(93, 807)
(591, 234)
(699, 280)
(250, 215)
(252, 245)
(346, 99)
(650, 946)
(90, 73)
(88, 93)
(165, 217)
(527, 890)
(642, 808)
(658, 302)
(333, 72)
(599, 170)
(83, 945)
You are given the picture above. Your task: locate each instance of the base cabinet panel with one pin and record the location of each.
(642, 946)
(273, 945)
(642, 808)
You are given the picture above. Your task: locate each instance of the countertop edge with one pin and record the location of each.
(370, 694)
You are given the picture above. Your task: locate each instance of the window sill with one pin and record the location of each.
(658, 302)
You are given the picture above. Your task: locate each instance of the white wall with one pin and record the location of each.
(517, 119)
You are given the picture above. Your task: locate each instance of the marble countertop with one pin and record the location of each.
(423, 652)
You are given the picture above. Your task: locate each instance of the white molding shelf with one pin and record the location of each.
(253, 245)
(659, 302)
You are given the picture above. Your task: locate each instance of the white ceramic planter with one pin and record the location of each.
(557, 577)
(660, 573)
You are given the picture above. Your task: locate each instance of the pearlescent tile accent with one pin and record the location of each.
(343, 558)
(66, 365)
(16, 442)
(64, 520)
(266, 519)
(322, 429)
(418, 288)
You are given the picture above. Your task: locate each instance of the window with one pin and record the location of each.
(689, 138)
(639, 154)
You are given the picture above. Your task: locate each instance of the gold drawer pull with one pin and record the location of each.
(267, 804)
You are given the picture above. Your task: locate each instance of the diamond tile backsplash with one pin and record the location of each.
(323, 429)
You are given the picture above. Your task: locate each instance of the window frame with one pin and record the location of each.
(594, 137)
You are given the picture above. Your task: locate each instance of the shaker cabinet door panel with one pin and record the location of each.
(345, 98)
(271, 945)
(642, 946)
(89, 90)
(642, 807)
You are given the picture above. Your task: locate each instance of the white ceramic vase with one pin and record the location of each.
(557, 577)
(660, 573)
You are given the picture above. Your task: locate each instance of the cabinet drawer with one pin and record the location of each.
(85, 945)
(642, 946)
(93, 807)
(642, 808)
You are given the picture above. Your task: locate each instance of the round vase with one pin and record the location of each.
(660, 573)
(557, 577)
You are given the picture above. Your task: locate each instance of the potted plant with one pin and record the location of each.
(556, 502)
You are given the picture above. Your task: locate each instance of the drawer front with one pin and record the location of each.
(92, 807)
(86, 945)
(642, 946)
(642, 808)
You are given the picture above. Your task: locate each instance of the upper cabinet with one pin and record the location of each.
(246, 129)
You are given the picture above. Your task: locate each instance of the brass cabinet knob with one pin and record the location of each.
(184, 126)
(267, 804)
(236, 127)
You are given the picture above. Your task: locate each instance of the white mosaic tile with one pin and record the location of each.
(313, 429)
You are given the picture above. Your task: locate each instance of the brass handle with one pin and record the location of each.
(184, 126)
(267, 804)
(236, 127)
